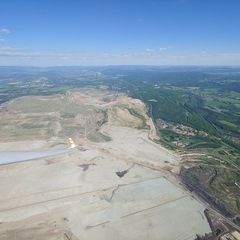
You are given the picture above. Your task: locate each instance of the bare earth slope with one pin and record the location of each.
(116, 184)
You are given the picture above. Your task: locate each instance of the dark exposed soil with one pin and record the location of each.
(199, 180)
(122, 173)
(85, 166)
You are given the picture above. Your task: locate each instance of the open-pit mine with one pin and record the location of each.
(118, 182)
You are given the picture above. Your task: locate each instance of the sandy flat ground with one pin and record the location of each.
(80, 194)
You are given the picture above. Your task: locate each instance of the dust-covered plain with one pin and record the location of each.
(117, 183)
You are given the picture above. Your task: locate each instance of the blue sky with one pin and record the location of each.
(99, 32)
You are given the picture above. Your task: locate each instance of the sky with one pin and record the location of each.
(119, 32)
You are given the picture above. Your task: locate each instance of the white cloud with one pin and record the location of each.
(149, 50)
(4, 30)
(21, 56)
(156, 50)
(162, 49)
(15, 52)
